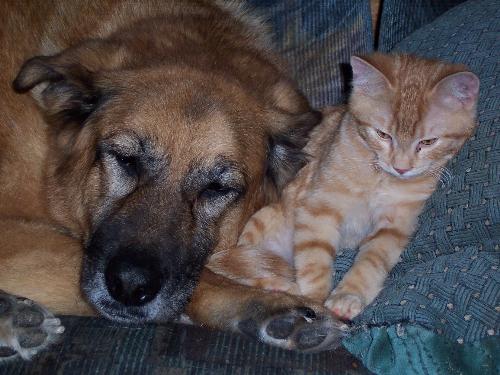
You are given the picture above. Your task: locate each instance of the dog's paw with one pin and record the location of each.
(26, 328)
(300, 328)
(344, 305)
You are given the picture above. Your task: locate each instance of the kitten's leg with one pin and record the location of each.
(267, 221)
(377, 256)
(259, 259)
(254, 266)
(315, 237)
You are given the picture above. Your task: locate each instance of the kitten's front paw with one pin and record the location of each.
(25, 327)
(344, 305)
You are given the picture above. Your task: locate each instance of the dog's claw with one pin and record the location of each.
(297, 328)
(26, 328)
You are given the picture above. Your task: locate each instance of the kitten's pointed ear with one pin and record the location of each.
(457, 91)
(367, 78)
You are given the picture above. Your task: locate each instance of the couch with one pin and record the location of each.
(439, 312)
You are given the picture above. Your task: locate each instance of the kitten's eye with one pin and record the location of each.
(383, 135)
(217, 190)
(425, 143)
(428, 142)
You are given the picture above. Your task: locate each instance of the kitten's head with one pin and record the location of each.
(413, 113)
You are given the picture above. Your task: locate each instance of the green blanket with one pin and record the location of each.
(405, 350)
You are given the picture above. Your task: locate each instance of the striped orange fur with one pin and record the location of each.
(372, 166)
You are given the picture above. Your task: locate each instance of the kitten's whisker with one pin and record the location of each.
(442, 174)
(375, 165)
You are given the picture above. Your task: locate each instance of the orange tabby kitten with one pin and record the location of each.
(373, 165)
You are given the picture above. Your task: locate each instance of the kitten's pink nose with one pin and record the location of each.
(401, 171)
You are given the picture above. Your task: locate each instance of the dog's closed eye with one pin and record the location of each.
(130, 164)
(216, 190)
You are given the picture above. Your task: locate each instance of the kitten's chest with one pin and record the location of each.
(364, 215)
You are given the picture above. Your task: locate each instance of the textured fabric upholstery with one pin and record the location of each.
(93, 346)
(317, 38)
(399, 18)
(413, 350)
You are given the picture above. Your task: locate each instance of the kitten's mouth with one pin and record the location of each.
(402, 176)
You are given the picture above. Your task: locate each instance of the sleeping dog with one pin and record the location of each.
(152, 131)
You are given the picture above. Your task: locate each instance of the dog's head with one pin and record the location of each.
(157, 166)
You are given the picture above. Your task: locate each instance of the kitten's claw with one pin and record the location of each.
(344, 305)
(26, 328)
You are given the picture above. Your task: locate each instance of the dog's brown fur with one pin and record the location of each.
(196, 80)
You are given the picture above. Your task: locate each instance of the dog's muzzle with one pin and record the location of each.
(133, 280)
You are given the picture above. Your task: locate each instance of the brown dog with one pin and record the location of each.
(153, 132)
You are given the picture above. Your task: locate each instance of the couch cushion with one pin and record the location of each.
(411, 349)
(97, 346)
(317, 38)
(399, 18)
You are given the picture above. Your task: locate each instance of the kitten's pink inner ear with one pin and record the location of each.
(366, 77)
(459, 90)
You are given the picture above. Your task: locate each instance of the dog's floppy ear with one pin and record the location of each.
(65, 91)
(292, 120)
(285, 156)
(65, 85)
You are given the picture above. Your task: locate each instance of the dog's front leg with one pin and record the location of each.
(44, 265)
(276, 318)
(25, 327)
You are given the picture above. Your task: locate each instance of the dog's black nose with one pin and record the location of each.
(133, 280)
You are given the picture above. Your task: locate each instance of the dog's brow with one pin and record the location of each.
(221, 169)
(127, 141)
(227, 169)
